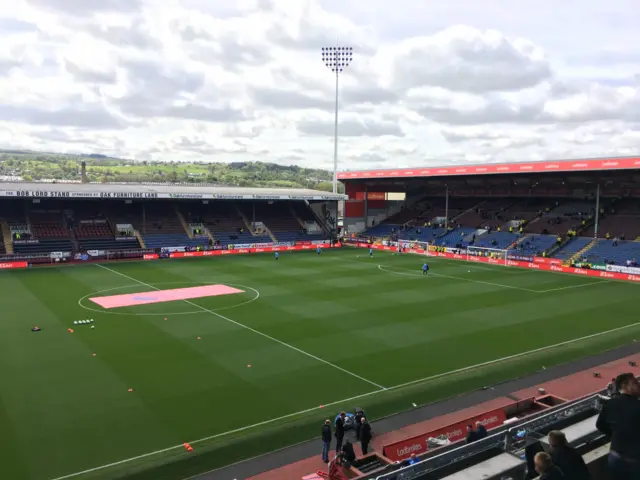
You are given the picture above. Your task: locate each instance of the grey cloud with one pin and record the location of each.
(89, 76)
(155, 79)
(289, 100)
(468, 63)
(96, 118)
(83, 8)
(134, 36)
(372, 95)
(11, 25)
(203, 113)
(351, 128)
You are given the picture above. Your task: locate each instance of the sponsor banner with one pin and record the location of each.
(621, 269)
(500, 168)
(59, 255)
(124, 238)
(545, 266)
(8, 265)
(19, 228)
(92, 222)
(69, 193)
(173, 249)
(547, 261)
(26, 242)
(521, 258)
(150, 256)
(96, 253)
(240, 245)
(304, 242)
(284, 244)
(598, 267)
(81, 256)
(210, 253)
(455, 432)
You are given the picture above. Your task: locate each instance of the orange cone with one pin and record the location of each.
(188, 447)
(198, 338)
(131, 389)
(70, 330)
(94, 354)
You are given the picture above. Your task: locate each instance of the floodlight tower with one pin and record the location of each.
(336, 59)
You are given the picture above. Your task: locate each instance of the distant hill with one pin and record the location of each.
(36, 166)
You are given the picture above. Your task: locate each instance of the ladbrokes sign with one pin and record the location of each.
(454, 432)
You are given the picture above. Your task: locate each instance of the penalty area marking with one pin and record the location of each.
(257, 332)
(192, 312)
(382, 268)
(350, 399)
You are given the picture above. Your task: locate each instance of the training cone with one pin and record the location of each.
(94, 354)
(70, 330)
(248, 366)
(188, 447)
(131, 389)
(165, 318)
(198, 338)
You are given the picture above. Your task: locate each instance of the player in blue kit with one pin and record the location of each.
(371, 252)
(425, 269)
(277, 255)
(318, 250)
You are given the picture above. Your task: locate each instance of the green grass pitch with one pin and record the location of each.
(339, 330)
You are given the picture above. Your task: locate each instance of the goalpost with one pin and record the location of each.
(496, 256)
(499, 255)
(412, 246)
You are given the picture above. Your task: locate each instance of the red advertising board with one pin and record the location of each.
(539, 263)
(457, 431)
(7, 265)
(214, 253)
(596, 164)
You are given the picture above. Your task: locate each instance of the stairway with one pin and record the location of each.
(245, 220)
(270, 233)
(6, 237)
(298, 219)
(139, 237)
(210, 235)
(183, 222)
(580, 253)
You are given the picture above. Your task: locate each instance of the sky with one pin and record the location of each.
(430, 83)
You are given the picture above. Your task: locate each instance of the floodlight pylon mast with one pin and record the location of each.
(336, 59)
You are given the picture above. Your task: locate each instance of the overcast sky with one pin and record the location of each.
(431, 82)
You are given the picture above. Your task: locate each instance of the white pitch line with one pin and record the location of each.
(257, 332)
(382, 268)
(574, 286)
(346, 400)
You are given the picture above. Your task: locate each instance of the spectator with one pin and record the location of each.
(481, 432)
(546, 468)
(620, 420)
(566, 458)
(326, 440)
(358, 422)
(472, 435)
(365, 436)
(340, 431)
(348, 453)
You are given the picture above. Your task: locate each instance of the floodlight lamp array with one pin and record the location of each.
(337, 58)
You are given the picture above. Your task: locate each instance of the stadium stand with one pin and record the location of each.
(573, 247)
(613, 252)
(536, 244)
(280, 219)
(224, 221)
(93, 231)
(48, 233)
(501, 240)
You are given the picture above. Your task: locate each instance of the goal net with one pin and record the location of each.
(497, 255)
(411, 246)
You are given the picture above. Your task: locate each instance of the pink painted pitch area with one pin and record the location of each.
(159, 296)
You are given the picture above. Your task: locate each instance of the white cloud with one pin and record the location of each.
(193, 79)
